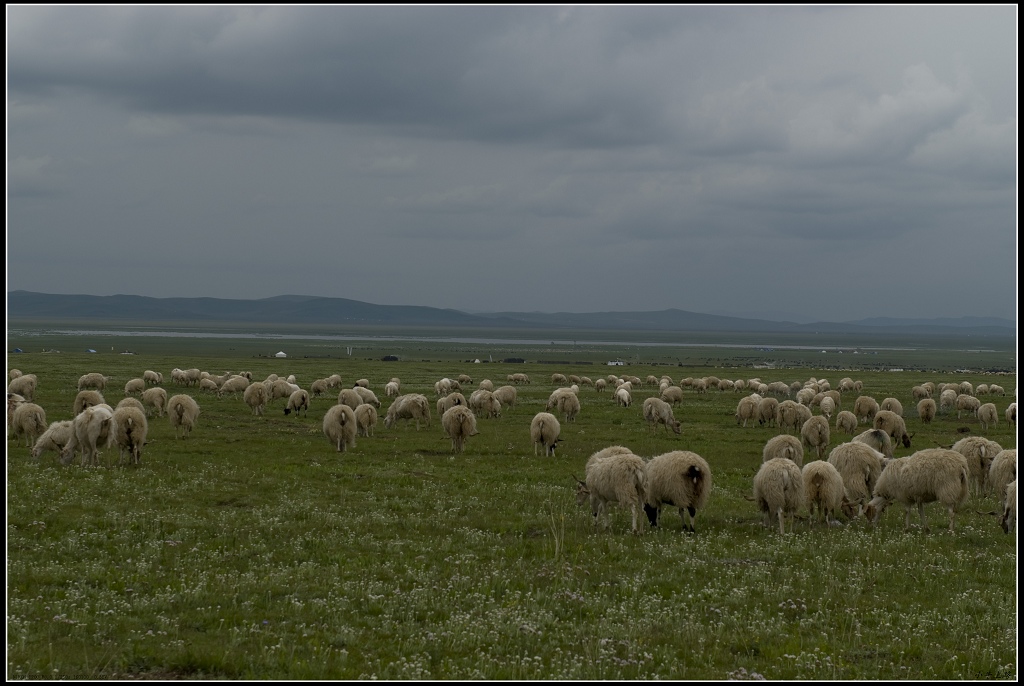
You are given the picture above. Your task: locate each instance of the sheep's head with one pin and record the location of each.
(582, 492)
(849, 509)
(677, 427)
(906, 440)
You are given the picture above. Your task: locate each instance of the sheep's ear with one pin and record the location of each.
(581, 483)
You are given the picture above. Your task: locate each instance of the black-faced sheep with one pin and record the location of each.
(544, 431)
(298, 402)
(183, 411)
(779, 491)
(815, 434)
(679, 479)
(410, 406)
(130, 432)
(340, 427)
(786, 447)
(614, 475)
(924, 477)
(657, 411)
(459, 423)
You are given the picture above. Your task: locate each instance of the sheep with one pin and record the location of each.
(766, 411)
(877, 439)
(966, 388)
(208, 384)
(348, 396)
(484, 404)
(333, 381)
(846, 422)
(449, 401)
(298, 401)
(183, 411)
(519, 378)
(280, 389)
(823, 488)
(255, 396)
(700, 386)
(364, 383)
(131, 402)
(586, 381)
(465, 378)
(865, 408)
(565, 401)
(56, 436)
(600, 385)
(657, 411)
(94, 428)
(779, 491)
(892, 405)
(926, 410)
(86, 399)
(979, 453)
(391, 389)
(792, 414)
(828, 406)
(411, 406)
(366, 419)
(544, 431)
(29, 420)
(130, 432)
(1009, 518)
(134, 386)
(926, 476)
(485, 385)
(995, 389)
(746, 410)
(506, 395)
(814, 434)
(443, 387)
(152, 378)
(967, 403)
(93, 380)
(13, 400)
(988, 415)
(236, 384)
(680, 479)
(673, 394)
(622, 397)
(340, 427)
(947, 400)
(860, 465)
(1001, 472)
(1011, 415)
(784, 446)
(459, 423)
(13, 374)
(613, 475)
(24, 385)
(367, 396)
(893, 424)
(156, 398)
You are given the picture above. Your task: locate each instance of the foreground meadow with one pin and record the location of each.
(253, 549)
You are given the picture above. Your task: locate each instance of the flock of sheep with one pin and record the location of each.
(858, 478)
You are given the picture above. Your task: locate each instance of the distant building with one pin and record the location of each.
(616, 363)
(280, 354)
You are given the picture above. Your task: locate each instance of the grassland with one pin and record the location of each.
(254, 550)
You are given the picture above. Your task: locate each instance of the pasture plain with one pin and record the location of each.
(254, 550)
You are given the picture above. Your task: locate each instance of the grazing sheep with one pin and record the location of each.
(156, 398)
(183, 411)
(236, 384)
(791, 414)
(485, 385)
(29, 420)
(56, 436)
(613, 475)
(130, 432)
(786, 447)
(519, 378)
(366, 419)
(679, 479)
(449, 401)
(208, 384)
(1001, 472)
(280, 389)
(877, 439)
(994, 389)
(348, 396)
(544, 431)
(920, 393)
(766, 411)
(465, 378)
(746, 410)
(988, 415)
(93, 429)
(131, 402)
(860, 465)
(779, 491)
(893, 424)
(924, 477)
(363, 383)
(152, 378)
(967, 403)
(459, 423)
(657, 411)
(506, 395)
(255, 396)
(846, 422)
(622, 397)
(672, 394)
(318, 388)
(13, 400)
(1011, 415)
(828, 407)
(86, 399)
(93, 380)
(367, 396)
(979, 453)
(814, 434)
(926, 410)
(333, 381)
(24, 385)
(134, 386)
(411, 406)
(484, 404)
(340, 427)
(1009, 518)
(966, 388)
(892, 405)
(865, 408)
(298, 401)
(824, 490)
(565, 401)
(558, 378)
(947, 400)
(391, 389)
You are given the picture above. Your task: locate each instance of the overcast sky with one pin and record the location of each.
(827, 163)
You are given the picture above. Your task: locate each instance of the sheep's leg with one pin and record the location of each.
(952, 517)
(782, 522)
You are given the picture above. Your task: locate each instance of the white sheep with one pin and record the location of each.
(865, 408)
(24, 385)
(318, 388)
(131, 402)
(614, 475)
(544, 431)
(979, 453)
(465, 378)
(13, 374)
(746, 409)
(183, 411)
(298, 402)
(29, 420)
(995, 389)
(391, 389)
(367, 396)
(815, 434)
(967, 403)
(924, 477)
(892, 424)
(156, 398)
(1009, 518)
(779, 491)
(877, 439)
(673, 394)
(333, 381)
(926, 410)
(85, 399)
(410, 406)
(255, 396)
(947, 400)
(860, 465)
(657, 411)
(348, 396)
(235, 384)
(892, 405)
(828, 407)
(1001, 472)
(1011, 415)
(152, 378)
(208, 384)
(622, 397)
(966, 388)
(988, 415)
(449, 401)
(483, 403)
(600, 385)
(93, 380)
(340, 427)
(130, 432)
(366, 419)
(364, 383)
(134, 386)
(824, 490)
(766, 411)
(56, 436)
(679, 479)
(94, 428)
(565, 401)
(459, 423)
(506, 395)
(784, 446)
(846, 422)
(791, 414)
(485, 385)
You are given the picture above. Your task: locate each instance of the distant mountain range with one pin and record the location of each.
(312, 310)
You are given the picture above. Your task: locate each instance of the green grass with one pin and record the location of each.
(254, 550)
